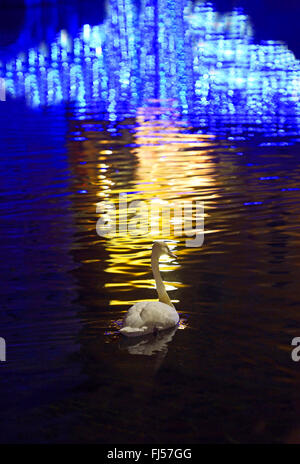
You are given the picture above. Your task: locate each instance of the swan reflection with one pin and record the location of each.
(149, 345)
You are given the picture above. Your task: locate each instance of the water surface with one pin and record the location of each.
(226, 374)
(75, 132)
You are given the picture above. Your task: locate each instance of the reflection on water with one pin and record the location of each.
(155, 143)
(226, 375)
(64, 287)
(149, 344)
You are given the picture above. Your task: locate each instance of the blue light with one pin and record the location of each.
(205, 63)
(253, 203)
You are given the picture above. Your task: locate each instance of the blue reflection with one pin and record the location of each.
(204, 64)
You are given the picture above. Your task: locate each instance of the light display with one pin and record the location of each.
(204, 64)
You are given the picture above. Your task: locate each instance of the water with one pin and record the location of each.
(225, 374)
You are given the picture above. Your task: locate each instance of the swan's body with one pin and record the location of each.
(151, 316)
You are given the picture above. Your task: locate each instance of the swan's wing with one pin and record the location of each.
(159, 315)
(143, 317)
(133, 323)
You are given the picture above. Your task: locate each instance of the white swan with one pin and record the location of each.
(151, 316)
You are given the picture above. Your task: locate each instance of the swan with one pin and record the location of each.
(152, 316)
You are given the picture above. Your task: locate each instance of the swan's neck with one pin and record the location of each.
(162, 294)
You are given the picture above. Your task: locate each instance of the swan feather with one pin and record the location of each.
(147, 316)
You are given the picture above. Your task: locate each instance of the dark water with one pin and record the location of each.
(226, 374)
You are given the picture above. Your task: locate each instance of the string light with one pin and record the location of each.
(207, 64)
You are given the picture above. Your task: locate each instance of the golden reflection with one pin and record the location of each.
(166, 165)
(153, 159)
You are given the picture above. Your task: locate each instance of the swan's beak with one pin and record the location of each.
(172, 255)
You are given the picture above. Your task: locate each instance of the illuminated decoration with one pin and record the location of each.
(207, 63)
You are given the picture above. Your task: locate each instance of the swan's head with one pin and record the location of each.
(161, 248)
